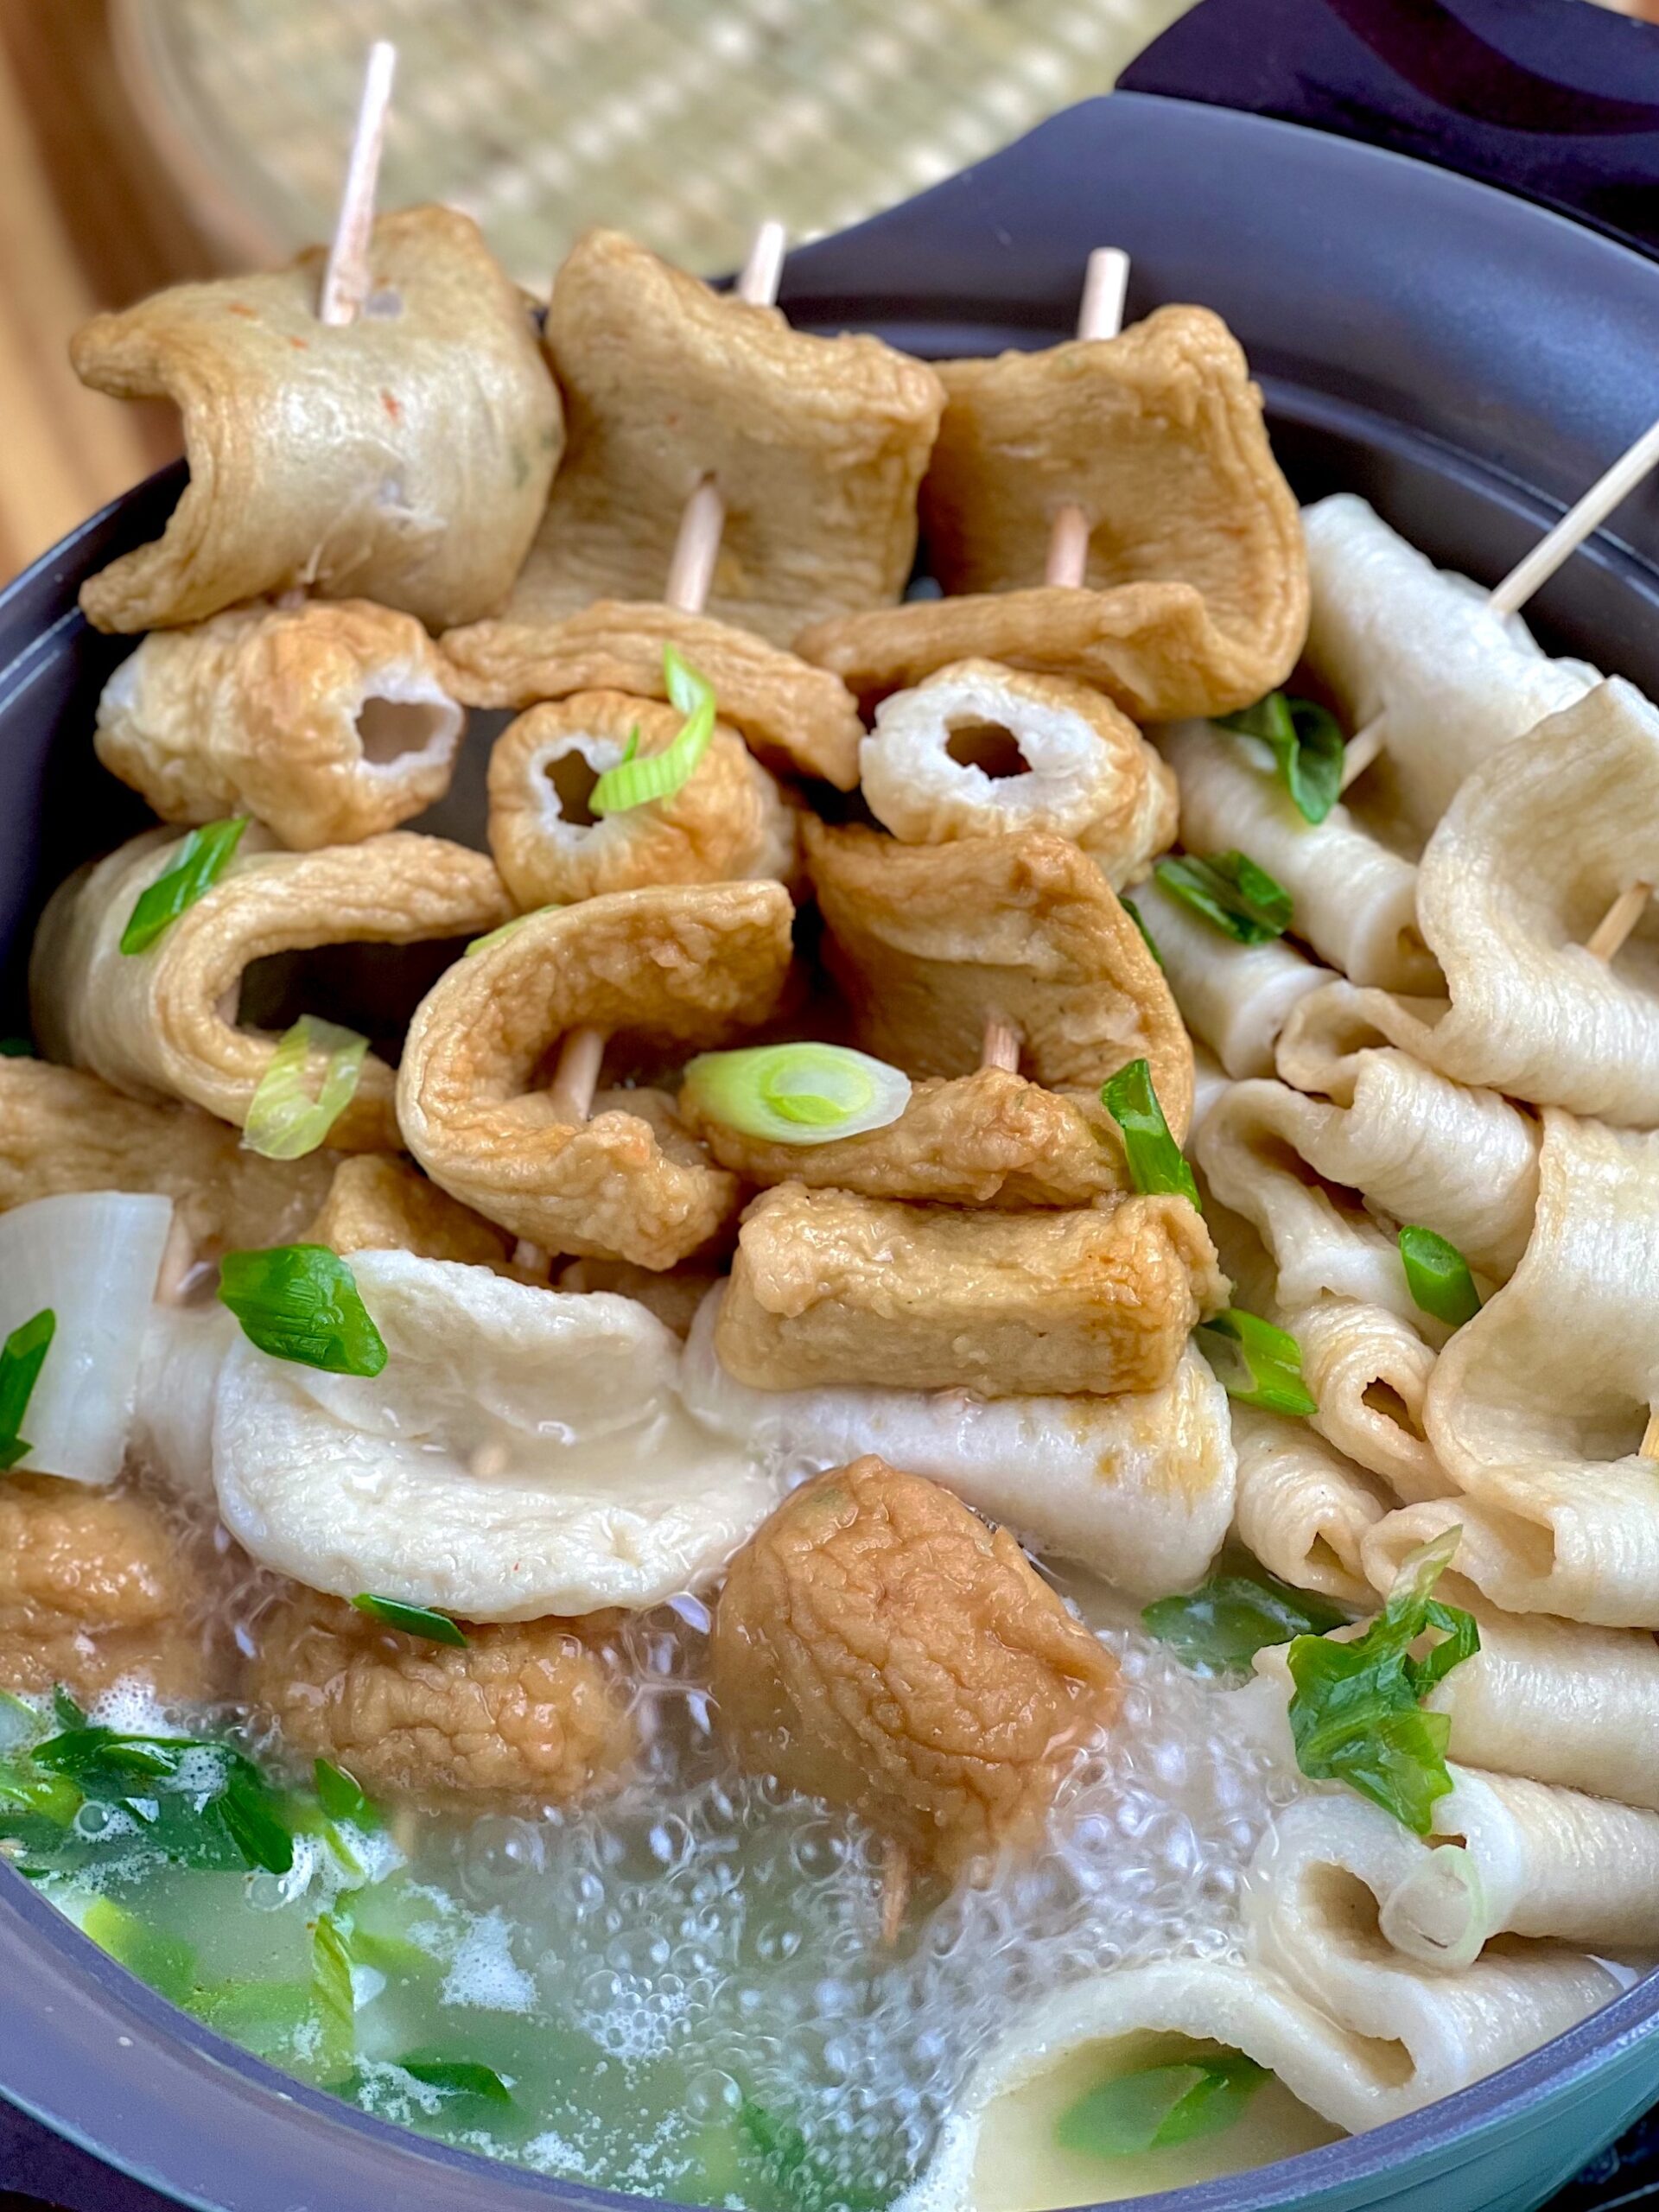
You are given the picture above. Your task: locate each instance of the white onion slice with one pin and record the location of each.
(92, 1256)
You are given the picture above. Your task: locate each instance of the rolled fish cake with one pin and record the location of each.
(328, 722)
(978, 750)
(403, 457)
(1194, 601)
(162, 1022)
(727, 822)
(829, 1288)
(818, 445)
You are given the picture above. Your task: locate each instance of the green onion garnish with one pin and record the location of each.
(15, 1048)
(1147, 938)
(21, 1361)
(659, 775)
(166, 1963)
(796, 1094)
(332, 1996)
(284, 1120)
(341, 1797)
(1438, 1277)
(456, 2077)
(1355, 1712)
(202, 858)
(1159, 2106)
(240, 1808)
(1242, 900)
(1224, 1622)
(1306, 745)
(300, 1302)
(1156, 1161)
(1256, 1362)
(505, 930)
(413, 1620)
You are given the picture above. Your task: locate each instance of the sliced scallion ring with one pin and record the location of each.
(1256, 1362)
(1438, 1277)
(634, 781)
(197, 864)
(285, 1122)
(1157, 1164)
(412, 1620)
(796, 1094)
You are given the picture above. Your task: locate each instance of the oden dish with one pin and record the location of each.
(650, 1519)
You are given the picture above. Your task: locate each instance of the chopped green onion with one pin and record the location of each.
(505, 930)
(802, 2176)
(166, 1963)
(284, 1120)
(412, 1620)
(39, 1797)
(300, 1302)
(1306, 745)
(15, 1048)
(1147, 938)
(332, 1994)
(1232, 1617)
(456, 2077)
(202, 860)
(64, 1711)
(796, 1094)
(633, 782)
(1157, 1163)
(1159, 2106)
(1438, 1277)
(341, 1797)
(1355, 1712)
(1242, 900)
(21, 1360)
(241, 1808)
(1256, 1362)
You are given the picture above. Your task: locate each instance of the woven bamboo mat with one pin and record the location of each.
(678, 120)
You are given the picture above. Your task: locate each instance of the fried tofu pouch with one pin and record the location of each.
(161, 1024)
(1195, 600)
(403, 457)
(526, 1715)
(330, 723)
(818, 445)
(728, 821)
(675, 966)
(879, 1645)
(828, 1288)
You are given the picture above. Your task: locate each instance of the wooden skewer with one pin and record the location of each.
(347, 280)
(895, 1890)
(690, 578)
(1620, 918)
(1648, 1447)
(1101, 315)
(1001, 1048)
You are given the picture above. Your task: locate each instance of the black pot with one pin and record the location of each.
(1469, 362)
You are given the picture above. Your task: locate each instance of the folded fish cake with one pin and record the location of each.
(818, 445)
(329, 722)
(378, 1203)
(828, 1288)
(403, 457)
(879, 1645)
(727, 820)
(1195, 597)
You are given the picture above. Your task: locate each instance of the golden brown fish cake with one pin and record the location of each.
(403, 457)
(161, 1023)
(526, 1713)
(879, 1645)
(328, 721)
(1195, 599)
(95, 1585)
(63, 1130)
(795, 720)
(727, 822)
(928, 942)
(826, 1287)
(817, 445)
(673, 967)
(378, 1203)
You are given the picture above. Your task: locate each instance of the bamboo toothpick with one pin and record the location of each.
(1101, 315)
(347, 280)
(1620, 918)
(1648, 1447)
(1001, 1048)
(690, 578)
(895, 1889)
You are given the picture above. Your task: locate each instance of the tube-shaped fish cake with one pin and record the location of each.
(798, 720)
(162, 1023)
(978, 750)
(818, 445)
(674, 966)
(1195, 597)
(729, 821)
(828, 1288)
(328, 722)
(403, 457)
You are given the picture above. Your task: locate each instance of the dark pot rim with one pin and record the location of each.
(989, 258)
